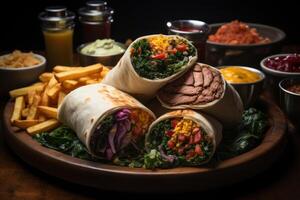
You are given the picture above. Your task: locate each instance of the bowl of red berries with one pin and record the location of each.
(280, 66)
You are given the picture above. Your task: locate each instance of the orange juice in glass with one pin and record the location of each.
(58, 26)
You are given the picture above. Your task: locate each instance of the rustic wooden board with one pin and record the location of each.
(110, 177)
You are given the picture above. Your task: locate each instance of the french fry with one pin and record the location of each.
(70, 84)
(61, 97)
(19, 105)
(48, 111)
(91, 82)
(42, 118)
(53, 92)
(45, 98)
(30, 96)
(23, 124)
(59, 68)
(52, 83)
(32, 113)
(43, 126)
(45, 77)
(24, 113)
(75, 74)
(23, 91)
(83, 80)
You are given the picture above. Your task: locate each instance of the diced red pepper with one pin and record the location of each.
(198, 150)
(160, 56)
(171, 144)
(173, 51)
(181, 47)
(169, 133)
(197, 137)
(181, 137)
(190, 154)
(191, 140)
(174, 122)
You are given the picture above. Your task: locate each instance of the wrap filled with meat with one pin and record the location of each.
(110, 123)
(204, 88)
(151, 62)
(182, 138)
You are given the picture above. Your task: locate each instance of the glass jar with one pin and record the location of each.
(58, 27)
(193, 30)
(95, 21)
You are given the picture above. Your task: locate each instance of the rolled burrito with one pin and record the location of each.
(110, 123)
(204, 88)
(151, 62)
(182, 138)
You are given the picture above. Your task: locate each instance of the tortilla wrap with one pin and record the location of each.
(228, 108)
(124, 77)
(84, 108)
(210, 125)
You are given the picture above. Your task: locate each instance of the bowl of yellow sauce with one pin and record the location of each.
(247, 81)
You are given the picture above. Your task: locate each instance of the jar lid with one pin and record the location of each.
(95, 11)
(57, 18)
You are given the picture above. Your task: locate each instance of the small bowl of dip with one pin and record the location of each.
(105, 51)
(290, 99)
(247, 81)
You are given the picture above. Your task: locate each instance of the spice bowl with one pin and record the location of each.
(290, 100)
(107, 60)
(220, 54)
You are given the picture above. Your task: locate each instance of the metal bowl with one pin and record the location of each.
(110, 60)
(218, 54)
(273, 77)
(249, 92)
(290, 101)
(12, 78)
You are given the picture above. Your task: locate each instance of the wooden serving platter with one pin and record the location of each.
(111, 177)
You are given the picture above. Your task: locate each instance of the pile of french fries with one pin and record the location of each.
(35, 108)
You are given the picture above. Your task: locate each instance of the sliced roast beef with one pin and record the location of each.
(201, 85)
(207, 77)
(198, 77)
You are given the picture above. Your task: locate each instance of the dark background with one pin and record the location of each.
(20, 27)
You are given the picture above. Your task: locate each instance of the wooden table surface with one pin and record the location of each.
(18, 180)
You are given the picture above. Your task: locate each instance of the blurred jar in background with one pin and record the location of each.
(58, 28)
(194, 31)
(95, 21)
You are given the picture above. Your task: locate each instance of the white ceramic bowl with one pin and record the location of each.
(12, 78)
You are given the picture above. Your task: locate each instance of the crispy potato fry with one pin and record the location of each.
(44, 126)
(61, 97)
(42, 118)
(59, 68)
(75, 74)
(70, 84)
(24, 113)
(32, 113)
(23, 124)
(23, 91)
(52, 83)
(48, 111)
(45, 98)
(19, 105)
(91, 82)
(45, 77)
(83, 80)
(30, 96)
(53, 92)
